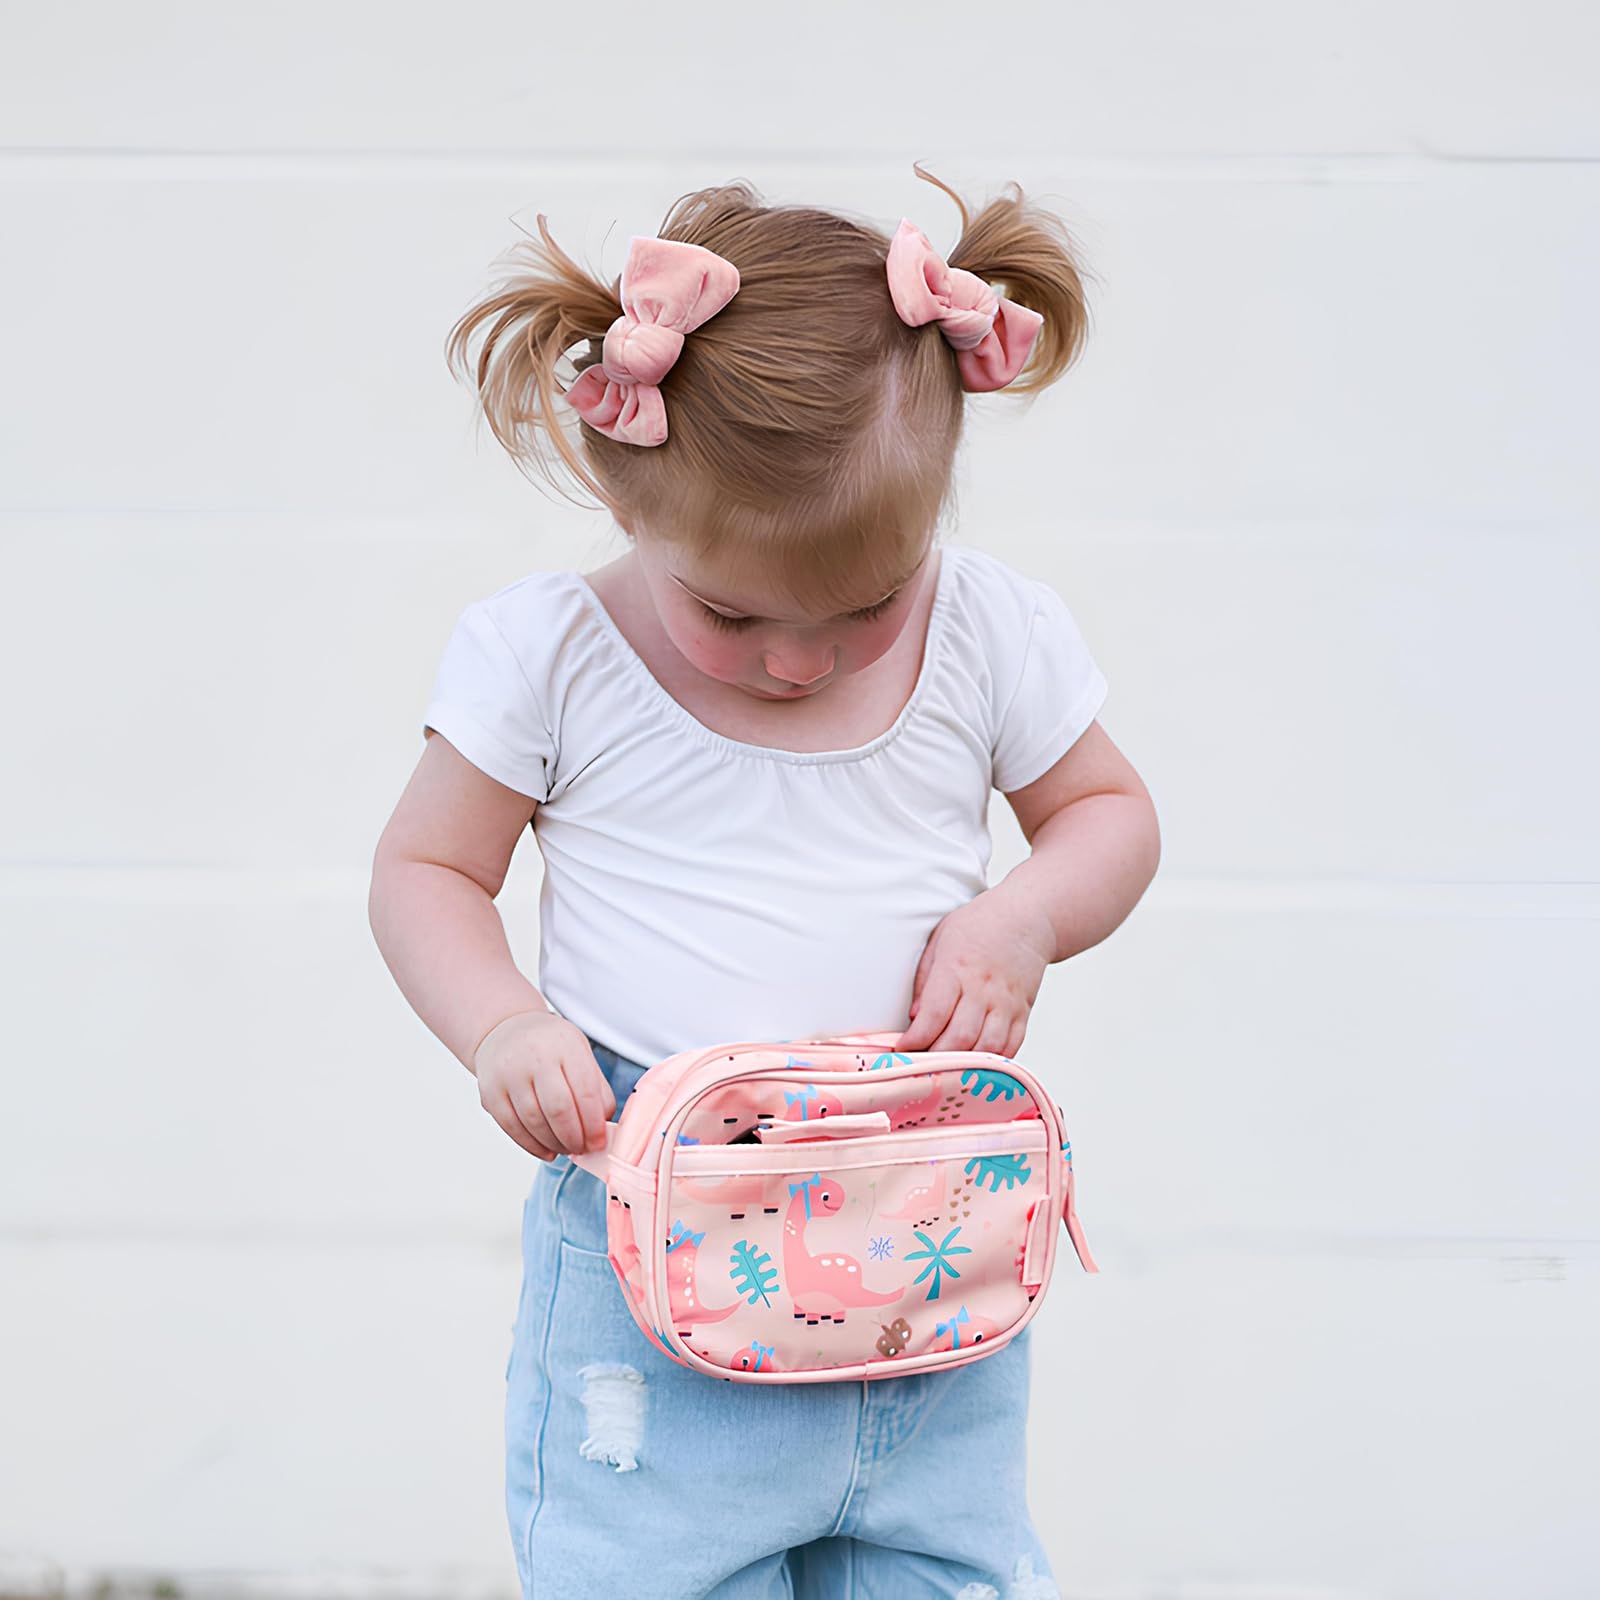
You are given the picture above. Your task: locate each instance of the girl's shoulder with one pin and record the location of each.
(541, 615)
(995, 600)
(527, 640)
(1017, 645)
(542, 592)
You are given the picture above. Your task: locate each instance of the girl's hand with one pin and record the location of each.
(978, 977)
(538, 1078)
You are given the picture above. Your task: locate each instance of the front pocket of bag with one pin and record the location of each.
(831, 1252)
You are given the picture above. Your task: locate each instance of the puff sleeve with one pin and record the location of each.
(1058, 691)
(483, 703)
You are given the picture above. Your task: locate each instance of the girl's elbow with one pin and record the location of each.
(1151, 840)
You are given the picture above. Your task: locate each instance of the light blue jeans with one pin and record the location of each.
(628, 1475)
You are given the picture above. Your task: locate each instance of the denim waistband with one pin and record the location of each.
(621, 1073)
(613, 1058)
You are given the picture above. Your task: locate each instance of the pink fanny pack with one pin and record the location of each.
(825, 1209)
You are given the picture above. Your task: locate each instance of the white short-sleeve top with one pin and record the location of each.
(699, 889)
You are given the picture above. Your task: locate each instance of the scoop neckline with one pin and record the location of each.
(932, 647)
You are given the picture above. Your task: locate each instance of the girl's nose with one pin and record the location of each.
(798, 671)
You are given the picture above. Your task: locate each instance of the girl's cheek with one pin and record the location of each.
(733, 658)
(874, 641)
(724, 658)
(728, 660)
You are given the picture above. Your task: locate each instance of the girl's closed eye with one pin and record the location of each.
(866, 614)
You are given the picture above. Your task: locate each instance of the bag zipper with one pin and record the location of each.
(1023, 1136)
(908, 1069)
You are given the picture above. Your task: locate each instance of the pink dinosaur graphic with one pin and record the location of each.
(683, 1299)
(963, 1330)
(924, 1200)
(946, 1107)
(808, 1103)
(628, 1274)
(623, 1250)
(751, 1357)
(735, 1109)
(738, 1194)
(822, 1287)
(913, 1113)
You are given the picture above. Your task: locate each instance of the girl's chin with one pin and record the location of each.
(789, 694)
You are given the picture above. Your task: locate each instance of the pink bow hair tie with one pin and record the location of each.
(991, 335)
(668, 289)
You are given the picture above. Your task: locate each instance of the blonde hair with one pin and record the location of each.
(811, 433)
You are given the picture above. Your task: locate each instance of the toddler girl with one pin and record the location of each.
(757, 751)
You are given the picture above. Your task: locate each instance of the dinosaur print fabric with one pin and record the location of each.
(824, 1210)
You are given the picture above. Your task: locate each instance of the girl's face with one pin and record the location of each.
(745, 639)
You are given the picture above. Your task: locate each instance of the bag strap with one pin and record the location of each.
(1069, 1215)
(599, 1161)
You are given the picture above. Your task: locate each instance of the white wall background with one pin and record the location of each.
(1323, 494)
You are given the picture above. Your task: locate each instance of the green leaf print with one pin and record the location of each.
(997, 1083)
(1011, 1170)
(753, 1273)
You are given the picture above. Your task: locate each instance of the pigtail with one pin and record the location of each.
(1027, 254)
(813, 432)
(543, 306)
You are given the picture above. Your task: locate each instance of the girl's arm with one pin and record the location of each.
(1095, 847)
(438, 866)
(1095, 843)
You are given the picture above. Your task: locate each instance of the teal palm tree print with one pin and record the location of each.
(937, 1256)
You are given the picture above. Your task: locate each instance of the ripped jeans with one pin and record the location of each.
(628, 1475)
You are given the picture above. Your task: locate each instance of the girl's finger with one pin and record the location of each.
(505, 1114)
(585, 1082)
(963, 1026)
(921, 974)
(993, 1032)
(558, 1108)
(938, 1001)
(530, 1113)
(1019, 1031)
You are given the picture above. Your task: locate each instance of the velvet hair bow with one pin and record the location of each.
(668, 289)
(991, 335)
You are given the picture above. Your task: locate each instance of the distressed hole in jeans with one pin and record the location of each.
(1025, 1584)
(613, 1409)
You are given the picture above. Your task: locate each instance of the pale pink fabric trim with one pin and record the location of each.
(668, 289)
(991, 334)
